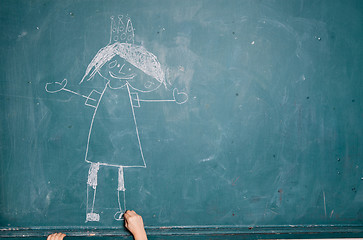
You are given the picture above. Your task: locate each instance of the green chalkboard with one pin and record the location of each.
(205, 117)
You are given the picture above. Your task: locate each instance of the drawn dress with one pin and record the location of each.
(113, 137)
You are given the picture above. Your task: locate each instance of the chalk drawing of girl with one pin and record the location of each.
(113, 138)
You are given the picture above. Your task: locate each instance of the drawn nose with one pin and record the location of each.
(120, 71)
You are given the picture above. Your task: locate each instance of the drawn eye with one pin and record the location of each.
(148, 84)
(130, 69)
(112, 64)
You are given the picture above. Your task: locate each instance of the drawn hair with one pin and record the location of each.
(136, 55)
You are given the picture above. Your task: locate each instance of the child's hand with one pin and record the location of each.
(179, 97)
(56, 86)
(134, 223)
(56, 236)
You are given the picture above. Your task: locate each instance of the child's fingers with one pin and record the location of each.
(133, 222)
(51, 236)
(61, 236)
(56, 236)
(130, 213)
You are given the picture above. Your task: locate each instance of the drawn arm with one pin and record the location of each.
(178, 98)
(91, 100)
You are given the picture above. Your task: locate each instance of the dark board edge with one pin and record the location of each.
(251, 232)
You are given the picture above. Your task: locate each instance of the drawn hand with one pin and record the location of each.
(56, 86)
(56, 236)
(179, 97)
(134, 223)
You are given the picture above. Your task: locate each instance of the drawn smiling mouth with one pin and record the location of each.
(131, 76)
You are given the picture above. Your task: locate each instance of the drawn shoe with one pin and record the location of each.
(119, 216)
(92, 217)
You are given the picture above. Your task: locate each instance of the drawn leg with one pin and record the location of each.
(121, 191)
(91, 193)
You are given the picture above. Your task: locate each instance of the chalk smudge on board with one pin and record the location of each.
(280, 191)
(22, 34)
(208, 159)
(234, 181)
(324, 203)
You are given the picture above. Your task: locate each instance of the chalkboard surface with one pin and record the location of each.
(199, 115)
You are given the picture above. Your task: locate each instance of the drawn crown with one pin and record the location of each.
(121, 32)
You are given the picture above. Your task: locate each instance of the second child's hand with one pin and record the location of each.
(56, 236)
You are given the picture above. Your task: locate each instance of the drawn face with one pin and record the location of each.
(144, 82)
(119, 72)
